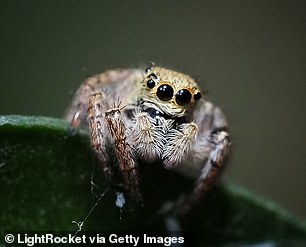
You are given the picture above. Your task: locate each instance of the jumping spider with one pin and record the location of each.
(152, 114)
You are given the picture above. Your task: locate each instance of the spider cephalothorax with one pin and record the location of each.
(152, 114)
(169, 91)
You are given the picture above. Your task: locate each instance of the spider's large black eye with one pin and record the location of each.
(183, 97)
(164, 92)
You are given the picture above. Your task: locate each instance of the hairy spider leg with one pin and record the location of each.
(97, 130)
(123, 150)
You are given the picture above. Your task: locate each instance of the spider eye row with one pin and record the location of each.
(165, 92)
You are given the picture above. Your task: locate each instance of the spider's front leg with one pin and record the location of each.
(213, 148)
(123, 150)
(211, 170)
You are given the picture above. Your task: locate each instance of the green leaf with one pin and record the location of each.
(45, 178)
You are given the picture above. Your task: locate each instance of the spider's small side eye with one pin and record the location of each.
(150, 83)
(164, 92)
(197, 96)
(152, 75)
(148, 70)
(183, 97)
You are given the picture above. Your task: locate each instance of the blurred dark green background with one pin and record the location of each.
(249, 55)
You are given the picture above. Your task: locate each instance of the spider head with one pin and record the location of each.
(170, 92)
